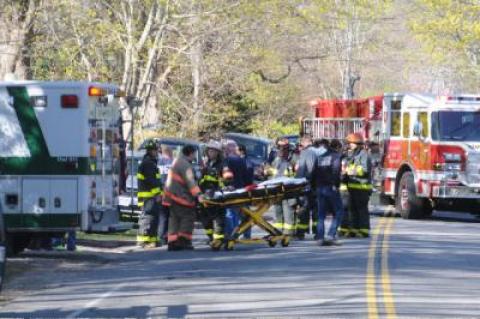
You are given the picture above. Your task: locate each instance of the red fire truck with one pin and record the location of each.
(426, 149)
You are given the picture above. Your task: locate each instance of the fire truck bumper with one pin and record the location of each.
(455, 192)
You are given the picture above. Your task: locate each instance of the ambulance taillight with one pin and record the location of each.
(69, 101)
(96, 91)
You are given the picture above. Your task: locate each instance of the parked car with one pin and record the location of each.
(128, 201)
(258, 149)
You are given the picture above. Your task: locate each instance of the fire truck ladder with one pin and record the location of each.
(333, 128)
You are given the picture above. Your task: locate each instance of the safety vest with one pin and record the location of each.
(359, 171)
(148, 177)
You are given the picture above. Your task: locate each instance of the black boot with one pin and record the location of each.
(187, 244)
(174, 246)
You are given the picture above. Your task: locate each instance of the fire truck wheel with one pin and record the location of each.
(407, 203)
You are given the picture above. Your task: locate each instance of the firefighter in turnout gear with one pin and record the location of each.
(181, 193)
(281, 166)
(213, 218)
(149, 197)
(359, 185)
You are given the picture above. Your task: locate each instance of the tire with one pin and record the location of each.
(286, 241)
(16, 243)
(407, 203)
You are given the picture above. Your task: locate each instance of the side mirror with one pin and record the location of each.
(417, 129)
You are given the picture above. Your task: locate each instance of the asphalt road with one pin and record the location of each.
(406, 269)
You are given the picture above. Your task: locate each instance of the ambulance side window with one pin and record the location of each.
(395, 119)
(406, 125)
(423, 118)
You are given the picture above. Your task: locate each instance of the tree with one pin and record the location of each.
(16, 21)
(450, 32)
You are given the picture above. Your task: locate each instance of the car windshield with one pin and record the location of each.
(176, 149)
(456, 126)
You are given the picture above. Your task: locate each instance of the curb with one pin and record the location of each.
(105, 243)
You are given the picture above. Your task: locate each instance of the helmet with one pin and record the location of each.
(283, 143)
(214, 145)
(151, 145)
(355, 138)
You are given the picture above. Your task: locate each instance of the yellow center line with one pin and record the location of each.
(387, 289)
(370, 281)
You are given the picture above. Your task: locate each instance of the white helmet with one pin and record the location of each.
(214, 145)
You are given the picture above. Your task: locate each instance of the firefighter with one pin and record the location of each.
(359, 185)
(213, 218)
(181, 192)
(305, 169)
(327, 177)
(283, 165)
(149, 197)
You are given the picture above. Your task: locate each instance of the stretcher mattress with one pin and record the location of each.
(278, 188)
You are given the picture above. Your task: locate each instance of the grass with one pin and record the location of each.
(128, 235)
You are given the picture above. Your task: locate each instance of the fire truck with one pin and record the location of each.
(425, 148)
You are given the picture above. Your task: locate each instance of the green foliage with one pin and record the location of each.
(450, 31)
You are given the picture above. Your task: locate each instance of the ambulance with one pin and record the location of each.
(426, 148)
(59, 158)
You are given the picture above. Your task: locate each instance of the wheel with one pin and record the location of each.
(286, 241)
(230, 244)
(272, 243)
(216, 245)
(407, 203)
(16, 243)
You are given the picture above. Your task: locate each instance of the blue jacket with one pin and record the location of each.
(328, 169)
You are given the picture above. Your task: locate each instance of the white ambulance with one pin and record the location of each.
(59, 158)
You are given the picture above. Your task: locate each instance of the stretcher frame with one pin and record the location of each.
(254, 207)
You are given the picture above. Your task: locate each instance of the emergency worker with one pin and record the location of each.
(359, 184)
(235, 175)
(149, 197)
(283, 166)
(305, 169)
(181, 193)
(328, 175)
(213, 218)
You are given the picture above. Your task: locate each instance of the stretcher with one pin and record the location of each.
(254, 201)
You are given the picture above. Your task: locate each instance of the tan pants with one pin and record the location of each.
(180, 223)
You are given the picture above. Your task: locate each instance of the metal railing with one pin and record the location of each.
(333, 128)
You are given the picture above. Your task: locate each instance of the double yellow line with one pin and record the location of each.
(385, 225)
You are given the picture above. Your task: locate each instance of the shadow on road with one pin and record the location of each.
(134, 311)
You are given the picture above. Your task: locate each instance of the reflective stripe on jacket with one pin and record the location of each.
(359, 171)
(181, 187)
(148, 177)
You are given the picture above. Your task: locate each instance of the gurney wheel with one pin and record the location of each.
(286, 241)
(230, 244)
(216, 245)
(272, 243)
